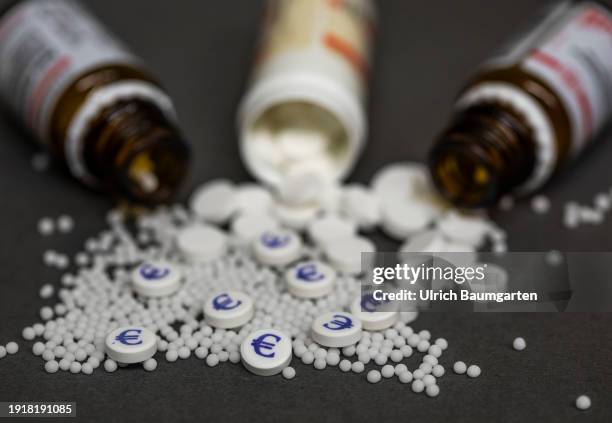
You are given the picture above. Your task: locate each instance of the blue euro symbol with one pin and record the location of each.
(340, 322)
(309, 273)
(129, 337)
(260, 344)
(150, 272)
(271, 240)
(369, 303)
(225, 302)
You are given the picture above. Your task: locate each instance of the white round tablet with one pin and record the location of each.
(331, 198)
(301, 187)
(201, 243)
(215, 201)
(295, 217)
(277, 247)
(265, 146)
(424, 242)
(297, 143)
(345, 253)
(253, 199)
(310, 279)
(156, 279)
(131, 344)
(249, 226)
(463, 228)
(404, 217)
(329, 228)
(228, 309)
(400, 180)
(361, 206)
(266, 352)
(336, 329)
(373, 314)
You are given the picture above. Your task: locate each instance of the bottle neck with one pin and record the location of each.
(486, 153)
(136, 152)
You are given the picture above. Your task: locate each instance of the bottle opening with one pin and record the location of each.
(297, 134)
(463, 178)
(135, 152)
(153, 173)
(486, 153)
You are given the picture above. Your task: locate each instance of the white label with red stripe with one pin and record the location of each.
(44, 46)
(318, 31)
(576, 60)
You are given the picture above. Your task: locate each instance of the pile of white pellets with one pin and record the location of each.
(247, 275)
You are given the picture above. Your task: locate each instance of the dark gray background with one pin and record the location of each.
(201, 50)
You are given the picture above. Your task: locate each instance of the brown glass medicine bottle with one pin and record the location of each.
(90, 101)
(528, 111)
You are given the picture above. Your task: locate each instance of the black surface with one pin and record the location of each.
(202, 50)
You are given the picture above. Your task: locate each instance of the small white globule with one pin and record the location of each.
(288, 373)
(374, 376)
(473, 371)
(459, 367)
(583, 402)
(519, 344)
(12, 347)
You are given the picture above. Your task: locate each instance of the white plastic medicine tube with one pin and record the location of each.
(305, 106)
